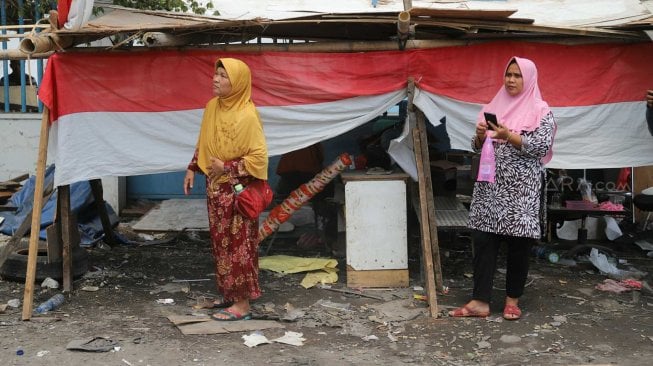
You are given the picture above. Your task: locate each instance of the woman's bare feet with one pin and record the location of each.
(474, 308)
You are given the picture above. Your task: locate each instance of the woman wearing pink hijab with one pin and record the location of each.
(508, 201)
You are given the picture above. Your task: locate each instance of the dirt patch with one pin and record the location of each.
(124, 298)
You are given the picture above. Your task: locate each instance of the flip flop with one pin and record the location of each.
(466, 312)
(232, 315)
(511, 312)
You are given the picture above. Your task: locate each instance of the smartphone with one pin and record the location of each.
(490, 117)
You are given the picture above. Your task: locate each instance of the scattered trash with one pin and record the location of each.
(611, 285)
(165, 301)
(560, 318)
(90, 288)
(419, 297)
(644, 244)
(42, 353)
(103, 246)
(600, 261)
(51, 304)
(371, 337)
(19, 352)
(14, 303)
(581, 301)
(292, 314)
(255, 339)
(333, 305)
(291, 338)
(172, 288)
(543, 252)
(93, 344)
(391, 337)
(50, 283)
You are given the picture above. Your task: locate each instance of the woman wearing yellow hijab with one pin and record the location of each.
(231, 149)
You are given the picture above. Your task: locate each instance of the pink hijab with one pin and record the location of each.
(524, 111)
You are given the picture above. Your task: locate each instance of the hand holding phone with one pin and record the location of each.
(491, 117)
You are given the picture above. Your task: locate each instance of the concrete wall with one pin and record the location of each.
(19, 146)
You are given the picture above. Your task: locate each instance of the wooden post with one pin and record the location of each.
(424, 215)
(63, 204)
(30, 276)
(96, 187)
(430, 202)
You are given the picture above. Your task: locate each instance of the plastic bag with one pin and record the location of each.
(487, 165)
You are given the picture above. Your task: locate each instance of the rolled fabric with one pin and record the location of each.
(298, 198)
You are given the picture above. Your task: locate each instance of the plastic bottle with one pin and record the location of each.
(51, 304)
(544, 252)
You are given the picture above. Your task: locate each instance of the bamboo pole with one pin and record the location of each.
(30, 276)
(42, 43)
(25, 26)
(20, 55)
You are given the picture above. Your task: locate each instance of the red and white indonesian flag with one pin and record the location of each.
(121, 114)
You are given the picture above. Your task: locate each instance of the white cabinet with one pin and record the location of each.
(376, 229)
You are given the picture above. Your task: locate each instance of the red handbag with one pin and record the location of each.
(254, 198)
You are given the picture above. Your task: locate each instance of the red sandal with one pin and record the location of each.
(466, 312)
(511, 312)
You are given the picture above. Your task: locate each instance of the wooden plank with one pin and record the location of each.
(53, 238)
(6, 194)
(96, 187)
(503, 15)
(19, 178)
(430, 203)
(216, 327)
(427, 255)
(30, 276)
(63, 203)
(351, 176)
(377, 278)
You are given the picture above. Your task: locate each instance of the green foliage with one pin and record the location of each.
(27, 10)
(169, 5)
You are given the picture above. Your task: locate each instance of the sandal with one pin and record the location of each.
(466, 312)
(231, 314)
(511, 312)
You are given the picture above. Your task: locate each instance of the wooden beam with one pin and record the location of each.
(63, 203)
(427, 256)
(96, 187)
(430, 202)
(30, 276)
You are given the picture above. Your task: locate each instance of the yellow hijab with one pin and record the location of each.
(231, 126)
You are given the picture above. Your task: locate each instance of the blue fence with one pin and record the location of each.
(19, 78)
